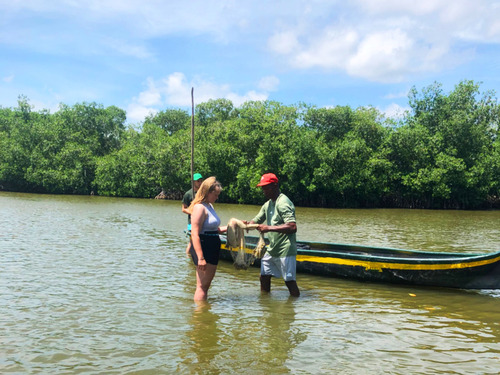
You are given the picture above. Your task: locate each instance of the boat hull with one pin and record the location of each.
(371, 264)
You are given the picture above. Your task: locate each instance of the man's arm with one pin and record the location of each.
(186, 201)
(287, 228)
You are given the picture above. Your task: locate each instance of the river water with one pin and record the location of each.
(99, 285)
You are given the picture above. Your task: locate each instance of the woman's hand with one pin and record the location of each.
(246, 222)
(202, 264)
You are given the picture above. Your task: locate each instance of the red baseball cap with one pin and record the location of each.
(268, 178)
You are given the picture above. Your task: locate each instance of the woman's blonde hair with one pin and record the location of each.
(210, 184)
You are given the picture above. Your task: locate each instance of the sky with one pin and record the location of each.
(145, 56)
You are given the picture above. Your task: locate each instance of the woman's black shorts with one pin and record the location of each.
(210, 245)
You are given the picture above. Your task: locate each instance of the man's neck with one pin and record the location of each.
(273, 198)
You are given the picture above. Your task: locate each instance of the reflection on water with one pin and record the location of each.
(204, 338)
(401, 330)
(99, 285)
(251, 339)
(279, 337)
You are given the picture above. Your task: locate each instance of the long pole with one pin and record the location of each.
(192, 139)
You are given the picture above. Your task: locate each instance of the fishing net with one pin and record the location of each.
(236, 241)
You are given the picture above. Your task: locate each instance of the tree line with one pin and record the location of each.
(443, 153)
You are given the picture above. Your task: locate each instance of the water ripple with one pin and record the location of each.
(103, 286)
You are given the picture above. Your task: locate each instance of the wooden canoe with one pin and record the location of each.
(376, 264)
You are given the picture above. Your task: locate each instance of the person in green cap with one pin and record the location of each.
(187, 199)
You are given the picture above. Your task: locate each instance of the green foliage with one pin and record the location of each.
(125, 172)
(331, 123)
(453, 139)
(56, 153)
(445, 153)
(215, 110)
(171, 120)
(99, 129)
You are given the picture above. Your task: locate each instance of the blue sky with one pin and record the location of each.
(144, 56)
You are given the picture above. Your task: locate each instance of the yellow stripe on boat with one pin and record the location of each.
(378, 266)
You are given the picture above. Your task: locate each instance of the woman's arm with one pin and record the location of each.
(197, 220)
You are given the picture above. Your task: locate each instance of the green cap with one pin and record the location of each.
(197, 176)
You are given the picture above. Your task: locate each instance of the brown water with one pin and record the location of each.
(101, 286)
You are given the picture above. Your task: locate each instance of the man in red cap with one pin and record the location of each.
(277, 218)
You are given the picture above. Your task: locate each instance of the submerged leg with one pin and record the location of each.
(203, 282)
(265, 283)
(293, 288)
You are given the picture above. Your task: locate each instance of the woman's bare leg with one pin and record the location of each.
(203, 281)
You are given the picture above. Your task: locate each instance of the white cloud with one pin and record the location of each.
(387, 40)
(382, 56)
(137, 113)
(283, 42)
(127, 48)
(384, 7)
(397, 95)
(330, 49)
(150, 97)
(175, 91)
(114, 29)
(249, 96)
(145, 19)
(39, 105)
(386, 55)
(145, 103)
(269, 83)
(8, 79)
(394, 111)
(411, 37)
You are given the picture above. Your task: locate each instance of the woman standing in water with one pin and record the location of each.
(205, 230)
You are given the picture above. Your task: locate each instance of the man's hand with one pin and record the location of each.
(263, 228)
